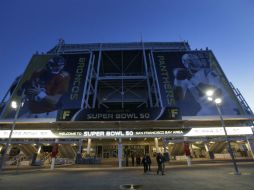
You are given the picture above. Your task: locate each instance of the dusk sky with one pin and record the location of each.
(226, 27)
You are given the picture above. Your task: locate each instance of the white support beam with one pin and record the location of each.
(97, 78)
(156, 142)
(89, 84)
(86, 80)
(120, 153)
(157, 81)
(147, 77)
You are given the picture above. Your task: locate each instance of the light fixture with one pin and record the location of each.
(14, 104)
(218, 100)
(209, 93)
(209, 98)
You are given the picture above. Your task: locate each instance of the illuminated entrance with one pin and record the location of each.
(109, 147)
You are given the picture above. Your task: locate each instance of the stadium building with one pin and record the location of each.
(114, 102)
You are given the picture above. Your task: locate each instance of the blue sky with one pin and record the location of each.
(226, 27)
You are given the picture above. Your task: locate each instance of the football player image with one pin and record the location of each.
(196, 77)
(46, 86)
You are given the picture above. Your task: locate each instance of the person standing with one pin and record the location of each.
(149, 162)
(126, 161)
(145, 163)
(132, 159)
(160, 163)
(138, 160)
(163, 164)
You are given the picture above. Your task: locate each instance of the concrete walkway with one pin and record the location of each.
(179, 177)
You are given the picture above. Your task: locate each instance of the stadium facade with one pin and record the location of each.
(114, 101)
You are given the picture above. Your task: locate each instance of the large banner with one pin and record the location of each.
(53, 87)
(50, 83)
(185, 77)
(119, 115)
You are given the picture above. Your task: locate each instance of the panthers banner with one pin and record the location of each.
(185, 77)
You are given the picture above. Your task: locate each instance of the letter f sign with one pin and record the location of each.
(174, 113)
(66, 114)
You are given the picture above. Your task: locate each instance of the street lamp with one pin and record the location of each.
(212, 97)
(16, 106)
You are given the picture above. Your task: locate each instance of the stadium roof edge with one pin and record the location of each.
(184, 45)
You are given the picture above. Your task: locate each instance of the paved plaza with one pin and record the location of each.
(199, 176)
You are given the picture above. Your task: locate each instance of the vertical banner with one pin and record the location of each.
(166, 79)
(50, 83)
(78, 70)
(185, 77)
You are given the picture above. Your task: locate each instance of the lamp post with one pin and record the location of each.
(16, 106)
(217, 101)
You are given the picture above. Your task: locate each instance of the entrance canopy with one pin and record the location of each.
(104, 134)
(186, 122)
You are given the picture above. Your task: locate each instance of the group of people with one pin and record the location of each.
(146, 161)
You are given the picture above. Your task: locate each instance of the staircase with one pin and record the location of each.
(67, 151)
(241, 100)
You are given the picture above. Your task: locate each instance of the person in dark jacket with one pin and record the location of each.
(149, 162)
(160, 163)
(145, 163)
(132, 159)
(138, 160)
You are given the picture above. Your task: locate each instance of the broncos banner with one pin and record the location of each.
(50, 83)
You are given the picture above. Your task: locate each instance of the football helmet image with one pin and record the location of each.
(192, 63)
(194, 79)
(56, 64)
